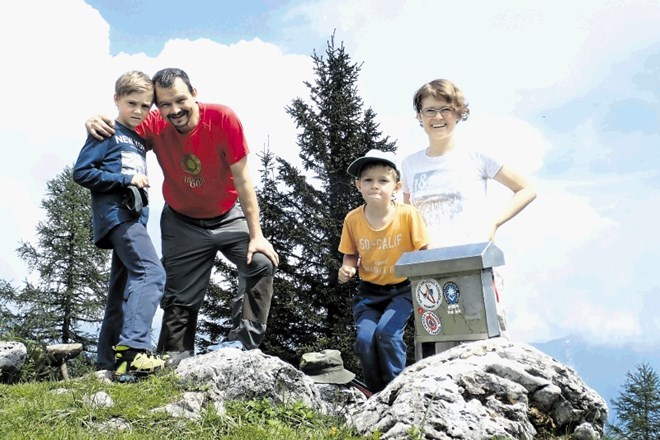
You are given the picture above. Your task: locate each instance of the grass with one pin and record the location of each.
(60, 410)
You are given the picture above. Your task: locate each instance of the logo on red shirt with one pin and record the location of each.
(191, 164)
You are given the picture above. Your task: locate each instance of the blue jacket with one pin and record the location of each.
(107, 167)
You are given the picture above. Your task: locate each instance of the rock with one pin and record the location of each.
(98, 400)
(586, 431)
(116, 424)
(246, 375)
(483, 389)
(341, 399)
(190, 406)
(104, 376)
(12, 356)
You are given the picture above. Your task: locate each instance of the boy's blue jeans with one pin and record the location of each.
(381, 314)
(137, 280)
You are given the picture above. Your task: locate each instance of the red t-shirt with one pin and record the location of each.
(197, 178)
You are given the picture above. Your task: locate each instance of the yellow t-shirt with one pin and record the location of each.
(379, 250)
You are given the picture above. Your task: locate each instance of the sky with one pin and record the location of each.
(566, 93)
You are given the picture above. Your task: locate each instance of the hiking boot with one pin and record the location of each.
(174, 358)
(132, 362)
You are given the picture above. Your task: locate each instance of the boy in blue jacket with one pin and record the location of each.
(115, 169)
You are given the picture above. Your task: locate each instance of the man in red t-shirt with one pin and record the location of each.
(203, 153)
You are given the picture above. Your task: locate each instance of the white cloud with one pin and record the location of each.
(54, 71)
(515, 142)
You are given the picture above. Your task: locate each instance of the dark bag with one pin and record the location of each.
(135, 199)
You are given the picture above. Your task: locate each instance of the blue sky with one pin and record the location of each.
(133, 30)
(566, 92)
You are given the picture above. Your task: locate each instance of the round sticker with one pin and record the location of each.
(429, 294)
(431, 323)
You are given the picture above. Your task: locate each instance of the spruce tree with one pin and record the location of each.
(638, 406)
(67, 295)
(8, 320)
(303, 212)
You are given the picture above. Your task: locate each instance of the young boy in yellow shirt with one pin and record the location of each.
(373, 238)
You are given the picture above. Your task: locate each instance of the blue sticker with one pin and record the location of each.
(452, 295)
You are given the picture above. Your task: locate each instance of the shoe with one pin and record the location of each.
(133, 362)
(174, 358)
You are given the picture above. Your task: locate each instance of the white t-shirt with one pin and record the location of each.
(450, 193)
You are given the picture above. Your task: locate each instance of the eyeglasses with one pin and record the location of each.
(430, 112)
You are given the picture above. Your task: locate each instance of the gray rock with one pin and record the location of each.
(105, 376)
(483, 389)
(98, 400)
(477, 390)
(586, 431)
(116, 424)
(340, 399)
(245, 375)
(189, 407)
(12, 356)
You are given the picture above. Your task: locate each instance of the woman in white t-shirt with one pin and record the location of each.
(448, 183)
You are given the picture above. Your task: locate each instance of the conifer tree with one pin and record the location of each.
(303, 212)
(67, 295)
(8, 320)
(638, 406)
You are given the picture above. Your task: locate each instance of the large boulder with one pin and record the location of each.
(244, 375)
(483, 389)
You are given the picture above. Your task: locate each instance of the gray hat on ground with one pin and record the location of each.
(326, 367)
(384, 157)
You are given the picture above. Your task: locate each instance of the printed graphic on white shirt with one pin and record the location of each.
(450, 193)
